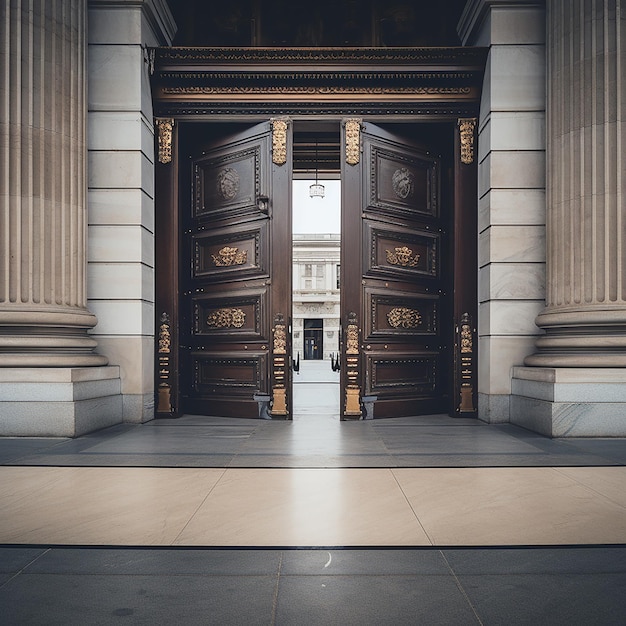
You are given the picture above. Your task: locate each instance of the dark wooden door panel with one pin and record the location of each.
(235, 229)
(402, 300)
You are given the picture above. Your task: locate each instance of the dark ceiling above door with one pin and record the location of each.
(285, 23)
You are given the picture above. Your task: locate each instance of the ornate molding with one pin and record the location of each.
(465, 360)
(313, 90)
(279, 367)
(226, 318)
(165, 129)
(353, 140)
(228, 256)
(466, 132)
(164, 391)
(353, 391)
(402, 256)
(311, 55)
(279, 140)
(403, 317)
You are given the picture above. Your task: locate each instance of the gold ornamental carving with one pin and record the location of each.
(164, 395)
(279, 367)
(466, 362)
(353, 140)
(402, 256)
(279, 141)
(165, 337)
(403, 317)
(228, 256)
(467, 346)
(226, 318)
(313, 90)
(466, 131)
(165, 128)
(353, 391)
(352, 339)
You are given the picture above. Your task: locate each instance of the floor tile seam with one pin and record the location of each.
(589, 488)
(23, 569)
(461, 588)
(303, 549)
(413, 511)
(276, 591)
(200, 505)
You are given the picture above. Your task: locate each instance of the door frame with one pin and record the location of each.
(382, 85)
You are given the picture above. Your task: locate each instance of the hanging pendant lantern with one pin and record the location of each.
(317, 189)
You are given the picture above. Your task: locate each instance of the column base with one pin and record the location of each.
(59, 402)
(570, 402)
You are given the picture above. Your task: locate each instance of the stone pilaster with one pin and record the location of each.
(43, 315)
(120, 192)
(585, 315)
(511, 193)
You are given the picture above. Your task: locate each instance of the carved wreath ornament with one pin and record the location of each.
(402, 256)
(228, 256)
(403, 317)
(226, 318)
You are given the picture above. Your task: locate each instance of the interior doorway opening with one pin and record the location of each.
(316, 253)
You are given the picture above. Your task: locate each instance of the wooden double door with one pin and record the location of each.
(398, 326)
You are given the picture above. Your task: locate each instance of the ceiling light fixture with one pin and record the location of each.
(316, 190)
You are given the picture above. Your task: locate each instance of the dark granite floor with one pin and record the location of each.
(568, 586)
(195, 441)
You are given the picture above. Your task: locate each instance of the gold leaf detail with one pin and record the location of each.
(467, 342)
(466, 130)
(165, 338)
(402, 256)
(280, 339)
(466, 339)
(279, 141)
(353, 141)
(226, 318)
(165, 126)
(403, 317)
(228, 256)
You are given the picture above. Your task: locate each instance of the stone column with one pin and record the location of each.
(50, 382)
(577, 385)
(43, 315)
(585, 315)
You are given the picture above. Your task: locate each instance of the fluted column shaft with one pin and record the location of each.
(43, 315)
(585, 315)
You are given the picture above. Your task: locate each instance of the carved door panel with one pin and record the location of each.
(236, 300)
(395, 309)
